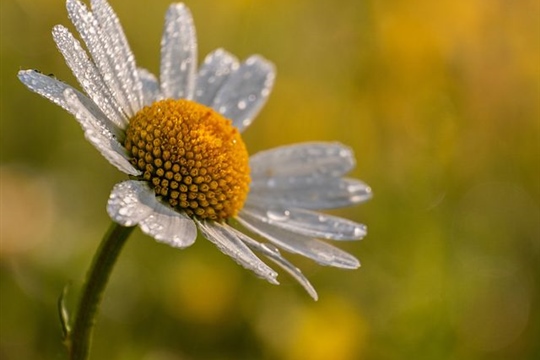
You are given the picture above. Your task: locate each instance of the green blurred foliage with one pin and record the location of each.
(440, 101)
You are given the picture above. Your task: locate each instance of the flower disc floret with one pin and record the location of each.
(192, 156)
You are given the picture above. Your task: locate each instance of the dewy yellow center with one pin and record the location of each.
(192, 156)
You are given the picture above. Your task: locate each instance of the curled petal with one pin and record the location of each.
(133, 202)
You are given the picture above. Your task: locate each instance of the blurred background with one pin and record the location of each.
(440, 101)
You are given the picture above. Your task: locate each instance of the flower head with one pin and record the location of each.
(178, 138)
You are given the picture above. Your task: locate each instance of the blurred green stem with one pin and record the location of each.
(79, 338)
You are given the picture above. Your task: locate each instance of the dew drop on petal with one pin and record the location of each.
(276, 215)
(360, 231)
(271, 183)
(246, 123)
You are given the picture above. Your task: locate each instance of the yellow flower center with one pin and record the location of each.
(192, 156)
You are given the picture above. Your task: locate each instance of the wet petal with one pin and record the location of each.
(169, 227)
(88, 75)
(105, 55)
(215, 69)
(88, 115)
(98, 129)
(53, 90)
(229, 243)
(133, 202)
(321, 252)
(310, 223)
(128, 201)
(326, 193)
(178, 53)
(47, 86)
(272, 253)
(245, 91)
(263, 184)
(312, 159)
(121, 52)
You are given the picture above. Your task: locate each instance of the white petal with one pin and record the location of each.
(272, 253)
(310, 223)
(150, 86)
(53, 90)
(227, 241)
(121, 52)
(88, 116)
(178, 53)
(133, 202)
(310, 159)
(329, 193)
(128, 201)
(103, 53)
(216, 68)
(88, 75)
(101, 132)
(169, 227)
(263, 184)
(321, 252)
(46, 86)
(245, 91)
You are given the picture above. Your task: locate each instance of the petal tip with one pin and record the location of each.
(179, 8)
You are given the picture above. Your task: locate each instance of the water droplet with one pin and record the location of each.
(352, 188)
(360, 231)
(278, 215)
(271, 248)
(271, 183)
(344, 153)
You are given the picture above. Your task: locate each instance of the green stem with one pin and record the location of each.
(78, 340)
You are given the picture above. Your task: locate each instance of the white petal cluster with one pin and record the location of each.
(289, 184)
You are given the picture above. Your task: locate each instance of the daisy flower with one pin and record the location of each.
(178, 139)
